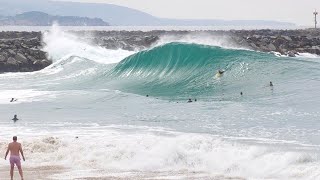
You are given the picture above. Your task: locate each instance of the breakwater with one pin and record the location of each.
(23, 51)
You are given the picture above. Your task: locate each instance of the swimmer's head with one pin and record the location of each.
(14, 138)
(271, 84)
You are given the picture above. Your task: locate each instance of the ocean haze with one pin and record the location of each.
(296, 11)
(119, 15)
(35, 18)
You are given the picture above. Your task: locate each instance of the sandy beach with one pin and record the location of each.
(54, 172)
(32, 173)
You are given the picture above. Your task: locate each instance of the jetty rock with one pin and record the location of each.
(21, 52)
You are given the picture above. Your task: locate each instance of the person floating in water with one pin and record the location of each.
(271, 84)
(13, 99)
(15, 118)
(241, 93)
(189, 101)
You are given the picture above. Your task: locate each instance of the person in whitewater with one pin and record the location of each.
(15, 118)
(15, 148)
(189, 101)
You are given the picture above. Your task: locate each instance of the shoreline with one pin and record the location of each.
(55, 172)
(32, 173)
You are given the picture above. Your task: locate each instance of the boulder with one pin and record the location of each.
(253, 46)
(12, 52)
(21, 58)
(12, 61)
(3, 58)
(287, 38)
(291, 53)
(271, 47)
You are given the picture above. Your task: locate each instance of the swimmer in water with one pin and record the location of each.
(15, 118)
(219, 73)
(271, 84)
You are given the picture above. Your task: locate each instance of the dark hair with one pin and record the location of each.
(14, 138)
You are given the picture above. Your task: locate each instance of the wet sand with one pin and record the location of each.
(46, 173)
(158, 175)
(32, 173)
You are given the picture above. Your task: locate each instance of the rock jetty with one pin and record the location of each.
(286, 42)
(22, 51)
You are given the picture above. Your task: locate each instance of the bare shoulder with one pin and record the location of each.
(9, 145)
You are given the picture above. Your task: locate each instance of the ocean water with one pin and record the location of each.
(89, 112)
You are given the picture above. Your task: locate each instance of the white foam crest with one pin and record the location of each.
(117, 150)
(201, 38)
(308, 55)
(60, 44)
(304, 56)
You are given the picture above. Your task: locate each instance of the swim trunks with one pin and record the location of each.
(15, 160)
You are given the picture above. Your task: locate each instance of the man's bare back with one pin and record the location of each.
(14, 148)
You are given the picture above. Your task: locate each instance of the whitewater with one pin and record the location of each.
(102, 113)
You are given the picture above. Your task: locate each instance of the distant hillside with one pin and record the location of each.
(35, 18)
(117, 15)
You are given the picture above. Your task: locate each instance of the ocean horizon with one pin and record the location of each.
(145, 28)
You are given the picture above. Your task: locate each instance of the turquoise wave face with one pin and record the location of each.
(181, 71)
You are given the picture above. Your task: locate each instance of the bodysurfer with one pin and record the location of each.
(13, 99)
(219, 73)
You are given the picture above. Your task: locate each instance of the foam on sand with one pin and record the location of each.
(100, 150)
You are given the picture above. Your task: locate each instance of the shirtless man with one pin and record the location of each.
(14, 149)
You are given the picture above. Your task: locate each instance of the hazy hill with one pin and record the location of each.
(115, 15)
(36, 18)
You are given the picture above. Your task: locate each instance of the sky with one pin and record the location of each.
(299, 12)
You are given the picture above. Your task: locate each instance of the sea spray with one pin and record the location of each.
(201, 38)
(60, 44)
